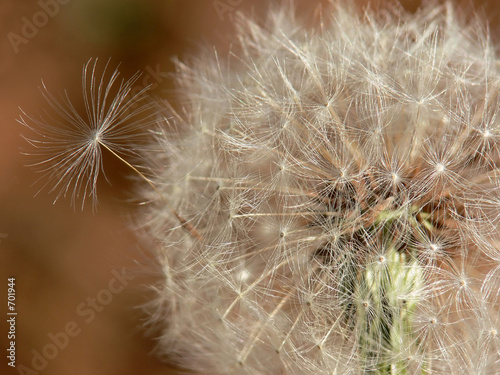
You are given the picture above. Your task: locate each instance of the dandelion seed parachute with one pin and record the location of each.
(344, 185)
(68, 144)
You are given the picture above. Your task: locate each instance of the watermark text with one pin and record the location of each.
(86, 310)
(31, 25)
(11, 320)
(225, 8)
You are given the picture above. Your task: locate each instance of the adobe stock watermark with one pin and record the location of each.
(87, 311)
(151, 77)
(48, 9)
(226, 6)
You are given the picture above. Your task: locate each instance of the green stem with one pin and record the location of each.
(386, 293)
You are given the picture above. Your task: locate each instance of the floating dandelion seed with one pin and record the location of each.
(69, 144)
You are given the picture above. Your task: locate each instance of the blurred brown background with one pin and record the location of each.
(60, 257)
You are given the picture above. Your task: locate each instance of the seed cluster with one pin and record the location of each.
(341, 190)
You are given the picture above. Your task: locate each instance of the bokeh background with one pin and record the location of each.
(61, 257)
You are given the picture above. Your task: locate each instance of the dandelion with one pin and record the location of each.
(69, 145)
(339, 187)
(344, 184)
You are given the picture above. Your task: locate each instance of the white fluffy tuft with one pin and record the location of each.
(326, 202)
(343, 183)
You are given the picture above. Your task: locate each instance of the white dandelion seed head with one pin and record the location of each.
(341, 194)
